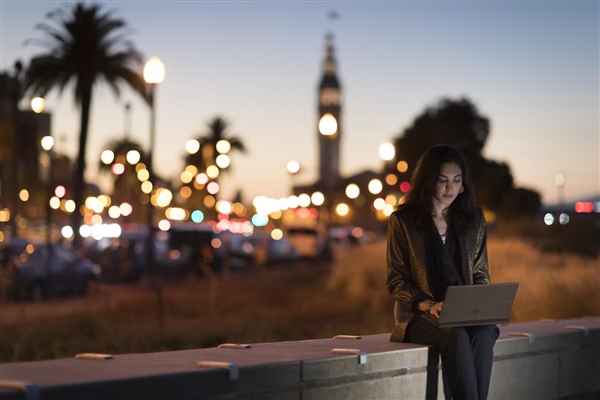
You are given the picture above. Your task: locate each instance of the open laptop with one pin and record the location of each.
(477, 304)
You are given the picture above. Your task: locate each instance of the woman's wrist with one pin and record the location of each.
(430, 306)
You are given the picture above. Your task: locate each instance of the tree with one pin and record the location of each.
(126, 185)
(206, 156)
(459, 123)
(84, 45)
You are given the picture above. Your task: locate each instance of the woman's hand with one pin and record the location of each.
(437, 309)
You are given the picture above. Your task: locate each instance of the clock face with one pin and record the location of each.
(330, 96)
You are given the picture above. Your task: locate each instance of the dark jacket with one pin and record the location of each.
(409, 253)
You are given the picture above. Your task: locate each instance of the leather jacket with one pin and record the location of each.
(408, 257)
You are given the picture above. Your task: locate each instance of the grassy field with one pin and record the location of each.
(312, 301)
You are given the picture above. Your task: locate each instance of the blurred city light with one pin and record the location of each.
(154, 71)
(175, 213)
(387, 151)
(186, 177)
(293, 167)
(4, 215)
(223, 146)
(212, 188)
(107, 156)
(192, 146)
(391, 179)
(357, 232)
(224, 207)
(126, 209)
(584, 207)
(54, 203)
(388, 209)
(342, 209)
(164, 225)
(47, 143)
(375, 186)
(260, 220)
(317, 198)
(163, 197)
(192, 169)
(352, 190)
(60, 191)
(404, 187)
(67, 232)
(70, 206)
(133, 157)
(201, 178)
(379, 203)
(143, 175)
(283, 203)
(548, 219)
(117, 168)
(327, 125)
(114, 212)
(104, 200)
(304, 200)
(223, 161)
(563, 219)
(402, 166)
(147, 187)
(185, 192)
(197, 216)
(212, 171)
(293, 201)
(24, 195)
(38, 104)
(277, 234)
(209, 201)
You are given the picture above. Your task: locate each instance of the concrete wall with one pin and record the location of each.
(536, 360)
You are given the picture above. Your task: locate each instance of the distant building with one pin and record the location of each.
(361, 211)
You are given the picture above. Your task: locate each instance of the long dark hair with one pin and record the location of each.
(424, 179)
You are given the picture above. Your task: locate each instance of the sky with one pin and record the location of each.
(531, 67)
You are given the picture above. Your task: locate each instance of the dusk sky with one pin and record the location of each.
(531, 67)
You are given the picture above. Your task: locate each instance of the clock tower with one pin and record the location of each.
(329, 128)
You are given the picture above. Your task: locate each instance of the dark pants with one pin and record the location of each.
(467, 354)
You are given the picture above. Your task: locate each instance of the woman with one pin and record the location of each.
(436, 239)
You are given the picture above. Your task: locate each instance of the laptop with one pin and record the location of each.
(477, 304)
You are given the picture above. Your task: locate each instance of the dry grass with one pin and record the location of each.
(308, 302)
(551, 285)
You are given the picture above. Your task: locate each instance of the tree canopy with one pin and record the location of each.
(459, 123)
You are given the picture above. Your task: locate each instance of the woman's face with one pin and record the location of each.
(448, 185)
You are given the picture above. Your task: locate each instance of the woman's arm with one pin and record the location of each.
(481, 275)
(399, 279)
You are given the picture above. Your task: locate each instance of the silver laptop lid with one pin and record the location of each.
(477, 304)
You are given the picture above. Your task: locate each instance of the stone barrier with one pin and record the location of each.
(547, 359)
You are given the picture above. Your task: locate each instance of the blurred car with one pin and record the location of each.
(202, 244)
(267, 251)
(309, 242)
(47, 270)
(124, 259)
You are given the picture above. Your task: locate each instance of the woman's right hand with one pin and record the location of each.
(437, 309)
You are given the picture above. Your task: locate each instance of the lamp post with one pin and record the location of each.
(293, 167)
(559, 179)
(47, 142)
(154, 73)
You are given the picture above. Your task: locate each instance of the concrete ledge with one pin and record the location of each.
(535, 360)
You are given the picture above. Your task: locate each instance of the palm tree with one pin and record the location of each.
(206, 156)
(84, 45)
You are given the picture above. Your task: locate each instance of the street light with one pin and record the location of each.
(328, 127)
(293, 167)
(154, 73)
